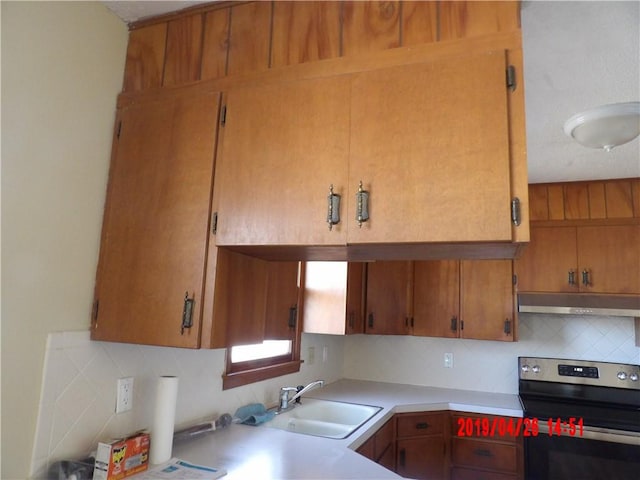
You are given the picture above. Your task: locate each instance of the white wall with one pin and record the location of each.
(62, 67)
(489, 366)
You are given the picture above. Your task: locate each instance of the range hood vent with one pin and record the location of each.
(580, 304)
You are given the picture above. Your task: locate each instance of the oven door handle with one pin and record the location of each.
(596, 433)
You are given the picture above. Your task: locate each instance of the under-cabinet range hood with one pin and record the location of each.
(579, 304)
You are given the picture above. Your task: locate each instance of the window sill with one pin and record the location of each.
(232, 380)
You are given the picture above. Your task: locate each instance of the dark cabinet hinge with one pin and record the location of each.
(461, 324)
(293, 316)
(454, 324)
(511, 77)
(214, 223)
(223, 116)
(516, 216)
(119, 129)
(94, 313)
(370, 318)
(514, 279)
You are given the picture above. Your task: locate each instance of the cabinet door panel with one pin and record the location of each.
(420, 145)
(486, 299)
(547, 261)
(422, 458)
(282, 297)
(156, 223)
(282, 147)
(436, 298)
(388, 286)
(611, 255)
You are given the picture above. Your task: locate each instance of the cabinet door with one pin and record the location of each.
(388, 285)
(487, 304)
(549, 263)
(282, 301)
(422, 458)
(611, 256)
(421, 145)
(156, 221)
(436, 298)
(282, 147)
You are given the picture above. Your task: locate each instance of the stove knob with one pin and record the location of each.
(622, 375)
(525, 368)
(536, 369)
(633, 377)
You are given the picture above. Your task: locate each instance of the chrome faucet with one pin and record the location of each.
(285, 401)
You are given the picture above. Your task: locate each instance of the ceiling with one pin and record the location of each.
(577, 55)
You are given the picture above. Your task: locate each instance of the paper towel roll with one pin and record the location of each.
(163, 420)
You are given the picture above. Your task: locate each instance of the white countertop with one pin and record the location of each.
(269, 454)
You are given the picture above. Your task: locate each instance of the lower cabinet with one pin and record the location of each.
(433, 446)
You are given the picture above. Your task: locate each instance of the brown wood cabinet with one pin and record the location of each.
(442, 298)
(286, 145)
(156, 230)
(334, 297)
(479, 456)
(584, 259)
(422, 440)
(381, 447)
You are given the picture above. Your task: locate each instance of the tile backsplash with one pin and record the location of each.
(77, 405)
(489, 366)
(79, 384)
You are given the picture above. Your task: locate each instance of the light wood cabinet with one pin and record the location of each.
(584, 259)
(155, 248)
(431, 175)
(334, 297)
(422, 445)
(442, 298)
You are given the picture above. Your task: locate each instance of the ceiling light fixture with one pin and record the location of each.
(605, 127)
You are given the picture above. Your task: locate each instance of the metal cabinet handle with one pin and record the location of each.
(362, 205)
(187, 312)
(333, 208)
(483, 452)
(293, 315)
(454, 324)
(586, 281)
(352, 321)
(371, 320)
(422, 426)
(403, 457)
(572, 278)
(507, 326)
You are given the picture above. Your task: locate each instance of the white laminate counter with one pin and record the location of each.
(248, 452)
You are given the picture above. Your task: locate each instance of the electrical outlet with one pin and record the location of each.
(448, 360)
(325, 354)
(124, 396)
(311, 355)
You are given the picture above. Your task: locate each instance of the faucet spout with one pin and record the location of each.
(285, 401)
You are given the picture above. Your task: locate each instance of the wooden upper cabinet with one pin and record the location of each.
(156, 222)
(333, 297)
(420, 147)
(145, 58)
(283, 147)
(436, 298)
(596, 259)
(388, 297)
(487, 306)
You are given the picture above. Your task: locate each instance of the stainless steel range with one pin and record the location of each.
(587, 416)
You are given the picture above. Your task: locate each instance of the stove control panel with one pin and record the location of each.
(580, 372)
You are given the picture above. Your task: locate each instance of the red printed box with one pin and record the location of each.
(122, 458)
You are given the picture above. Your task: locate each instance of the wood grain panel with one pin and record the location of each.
(282, 295)
(184, 51)
(249, 38)
(576, 201)
(471, 19)
(619, 199)
(388, 286)
(597, 202)
(305, 32)
(145, 58)
(436, 298)
(370, 26)
(419, 22)
(215, 44)
(556, 202)
(635, 192)
(538, 202)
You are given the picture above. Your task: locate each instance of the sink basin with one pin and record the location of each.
(324, 418)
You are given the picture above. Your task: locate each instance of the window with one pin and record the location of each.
(264, 324)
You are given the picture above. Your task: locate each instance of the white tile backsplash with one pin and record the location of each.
(489, 366)
(77, 407)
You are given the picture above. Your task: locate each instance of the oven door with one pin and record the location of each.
(595, 455)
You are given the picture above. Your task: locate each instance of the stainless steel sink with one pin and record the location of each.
(324, 418)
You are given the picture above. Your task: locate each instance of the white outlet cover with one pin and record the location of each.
(124, 395)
